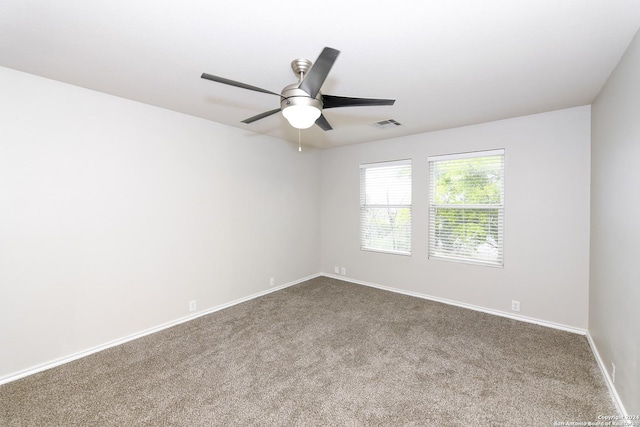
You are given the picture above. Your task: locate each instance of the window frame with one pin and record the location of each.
(432, 207)
(364, 205)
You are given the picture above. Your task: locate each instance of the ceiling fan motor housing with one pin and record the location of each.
(292, 95)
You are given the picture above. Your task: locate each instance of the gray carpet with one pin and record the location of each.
(324, 352)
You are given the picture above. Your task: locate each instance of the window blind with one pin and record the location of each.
(466, 207)
(385, 207)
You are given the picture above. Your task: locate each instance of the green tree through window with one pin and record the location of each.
(466, 207)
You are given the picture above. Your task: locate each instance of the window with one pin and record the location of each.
(466, 207)
(385, 207)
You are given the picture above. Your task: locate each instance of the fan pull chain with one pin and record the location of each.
(299, 143)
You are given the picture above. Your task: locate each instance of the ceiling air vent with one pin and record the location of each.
(386, 124)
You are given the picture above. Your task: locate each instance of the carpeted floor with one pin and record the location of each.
(324, 352)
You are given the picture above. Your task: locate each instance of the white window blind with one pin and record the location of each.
(385, 207)
(466, 207)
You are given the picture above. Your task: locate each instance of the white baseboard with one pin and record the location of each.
(607, 378)
(539, 322)
(87, 352)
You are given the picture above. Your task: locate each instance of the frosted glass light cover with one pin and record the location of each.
(301, 116)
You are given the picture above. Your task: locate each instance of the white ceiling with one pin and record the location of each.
(447, 63)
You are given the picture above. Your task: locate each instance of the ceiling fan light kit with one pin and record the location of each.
(302, 103)
(300, 110)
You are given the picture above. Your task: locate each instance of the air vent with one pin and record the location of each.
(386, 124)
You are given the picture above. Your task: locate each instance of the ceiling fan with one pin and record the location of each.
(302, 103)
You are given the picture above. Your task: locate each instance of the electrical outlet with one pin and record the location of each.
(343, 271)
(192, 305)
(613, 372)
(272, 281)
(336, 269)
(515, 305)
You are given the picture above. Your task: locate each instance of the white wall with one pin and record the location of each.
(614, 316)
(546, 217)
(115, 214)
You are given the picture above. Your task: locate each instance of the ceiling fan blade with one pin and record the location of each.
(260, 116)
(331, 101)
(316, 76)
(323, 123)
(234, 83)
